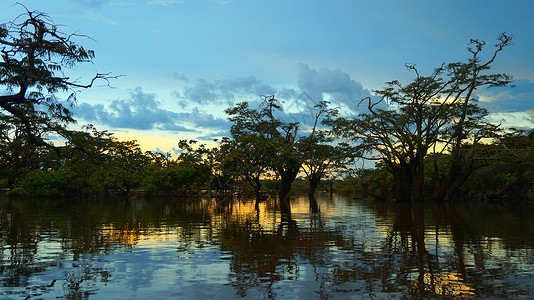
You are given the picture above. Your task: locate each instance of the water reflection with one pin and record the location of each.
(336, 247)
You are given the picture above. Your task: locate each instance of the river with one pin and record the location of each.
(192, 249)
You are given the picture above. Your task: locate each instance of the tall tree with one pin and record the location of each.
(277, 140)
(433, 114)
(468, 129)
(35, 55)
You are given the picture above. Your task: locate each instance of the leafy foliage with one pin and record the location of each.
(35, 55)
(435, 114)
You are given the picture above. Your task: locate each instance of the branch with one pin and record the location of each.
(103, 76)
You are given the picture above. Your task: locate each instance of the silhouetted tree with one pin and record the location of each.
(279, 140)
(35, 55)
(435, 114)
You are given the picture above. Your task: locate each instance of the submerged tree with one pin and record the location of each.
(246, 158)
(511, 173)
(324, 158)
(277, 142)
(278, 138)
(435, 114)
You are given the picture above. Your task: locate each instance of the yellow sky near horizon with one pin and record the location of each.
(150, 142)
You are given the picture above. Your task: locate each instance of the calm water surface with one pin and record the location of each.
(352, 249)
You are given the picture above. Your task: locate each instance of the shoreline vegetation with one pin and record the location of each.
(429, 139)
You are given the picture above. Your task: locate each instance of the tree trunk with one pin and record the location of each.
(258, 195)
(418, 182)
(259, 198)
(449, 188)
(314, 182)
(402, 176)
(439, 186)
(286, 179)
(460, 170)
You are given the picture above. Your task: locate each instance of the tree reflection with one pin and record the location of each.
(314, 206)
(406, 265)
(38, 236)
(261, 257)
(430, 253)
(348, 247)
(417, 251)
(18, 241)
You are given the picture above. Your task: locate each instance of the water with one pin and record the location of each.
(352, 249)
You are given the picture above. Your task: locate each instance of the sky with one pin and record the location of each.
(182, 63)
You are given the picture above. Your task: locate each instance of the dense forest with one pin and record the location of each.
(429, 139)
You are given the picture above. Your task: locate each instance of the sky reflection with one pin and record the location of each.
(167, 248)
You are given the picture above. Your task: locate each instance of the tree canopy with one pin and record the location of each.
(436, 114)
(35, 57)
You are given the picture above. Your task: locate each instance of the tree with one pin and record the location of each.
(187, 175)
(511, 173)
(468, 129)
(245, 157)
(97, 162)
(435, 114)
(34, 56)
(277, 136)
(323, 158)
(275, 140)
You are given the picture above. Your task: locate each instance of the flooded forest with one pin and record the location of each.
(416, 194)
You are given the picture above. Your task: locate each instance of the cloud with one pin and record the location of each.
(140, 111)
(202, 92)
(288, 94)
(334, 85)
(180, 77)
(225, 90)
(519, 98)
(313, 86)
(143, 112)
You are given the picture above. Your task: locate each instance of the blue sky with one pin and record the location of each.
(184, 62)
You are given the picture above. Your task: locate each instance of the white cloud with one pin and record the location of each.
(333, 85)
(143, 112)
(516, 98)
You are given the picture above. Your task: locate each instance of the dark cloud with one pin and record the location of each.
(336, 83)
(225, 90)
(142, 111)
(517, 98)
